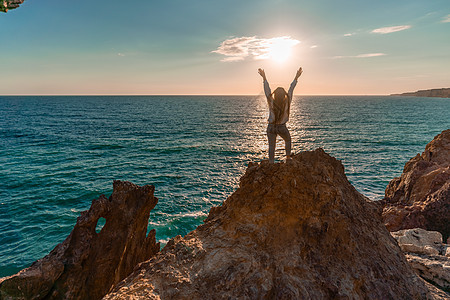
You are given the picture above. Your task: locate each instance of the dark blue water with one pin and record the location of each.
(59, 153)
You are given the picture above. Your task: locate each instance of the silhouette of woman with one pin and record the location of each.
(279, 106)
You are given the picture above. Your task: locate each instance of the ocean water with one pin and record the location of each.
(57, 154)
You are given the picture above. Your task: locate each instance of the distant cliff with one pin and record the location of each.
(6, 5)
(440, 93)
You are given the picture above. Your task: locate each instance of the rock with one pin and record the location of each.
(294, 230)
(87, 264)
(435, 269)
(6, 5)
(418, 240)
(426, 254)
(420, 197)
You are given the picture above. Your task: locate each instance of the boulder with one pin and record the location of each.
(293, 230)
(420, 197)
(419, 240)
(87, 264)
(426, 254)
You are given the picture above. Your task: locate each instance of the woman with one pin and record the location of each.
(279, 105)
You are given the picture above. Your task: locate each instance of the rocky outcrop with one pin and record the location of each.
(427, 255)
(294, 230)
(440, 93)
(87, 264)
(420, 197)
(6, 5)
(420, 241)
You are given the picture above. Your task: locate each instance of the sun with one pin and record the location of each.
(280, 48)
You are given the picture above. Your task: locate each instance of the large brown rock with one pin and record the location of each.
(87, 264)
(420, 197)
(294, 230)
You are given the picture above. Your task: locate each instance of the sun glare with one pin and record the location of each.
(280, 49)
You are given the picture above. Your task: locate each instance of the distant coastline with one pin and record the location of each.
(440, 93)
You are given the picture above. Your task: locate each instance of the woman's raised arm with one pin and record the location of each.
(262, 73)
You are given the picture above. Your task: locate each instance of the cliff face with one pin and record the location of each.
(87, 264)
(440, 93)
(294, 230)
(420, 197)
(6, 5)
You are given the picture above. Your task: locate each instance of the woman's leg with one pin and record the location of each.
(284, 133)
(272, 138)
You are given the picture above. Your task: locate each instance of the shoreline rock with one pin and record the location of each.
(88, 264)
(420, 197)
(427, 255)
(294, 230)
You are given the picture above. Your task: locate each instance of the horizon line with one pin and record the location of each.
(93, 95)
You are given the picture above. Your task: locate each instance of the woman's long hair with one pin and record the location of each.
(280, 101)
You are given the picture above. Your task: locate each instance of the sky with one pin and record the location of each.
(173, 47)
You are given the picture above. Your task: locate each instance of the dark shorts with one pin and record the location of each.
(280, 129)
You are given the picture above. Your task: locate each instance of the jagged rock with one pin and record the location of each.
(6, 5)
(420, 197)
(433, 268)
(419, 241)
(294, 230)
(87, 264)
(426, 254)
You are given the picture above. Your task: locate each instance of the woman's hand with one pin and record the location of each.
(262, 73)
(299, 73)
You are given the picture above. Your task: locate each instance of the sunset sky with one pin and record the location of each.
(55, 47)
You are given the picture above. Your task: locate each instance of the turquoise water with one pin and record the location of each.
(59, 153)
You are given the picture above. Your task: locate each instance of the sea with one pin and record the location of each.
(58, 153)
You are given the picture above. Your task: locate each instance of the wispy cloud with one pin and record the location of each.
(241, 48)
(365, 55)
(446, 19)
(385, 30)
(348, 34)
(120, 54)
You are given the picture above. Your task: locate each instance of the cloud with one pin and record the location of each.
(120, 54)
(348, 34)
(385, 30)
(369, 55)
(252, 47)
(365, 55)
(446, 19)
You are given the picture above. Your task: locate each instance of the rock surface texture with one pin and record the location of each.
(294, 230)
(6, 5)
(427, 255)
(420, 197)
(87, 264)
